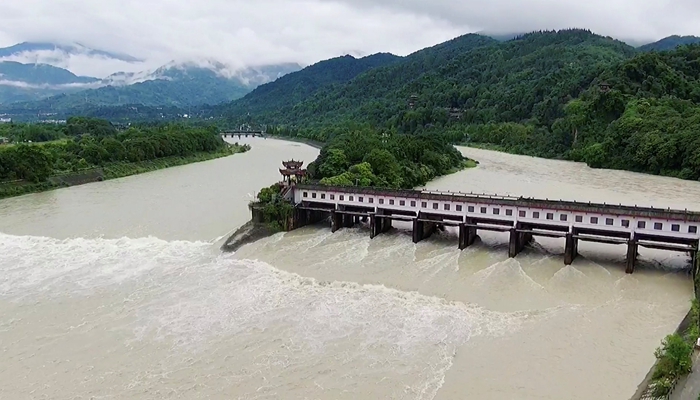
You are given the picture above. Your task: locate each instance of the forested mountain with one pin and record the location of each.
(22, 82)
(483, 80)
(188, 88)
(175, 85)
(293, 88)
(39, 74)
(670, 43)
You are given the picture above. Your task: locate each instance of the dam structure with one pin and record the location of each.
(523, 218)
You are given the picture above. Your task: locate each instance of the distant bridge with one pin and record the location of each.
(245, 131)
(522, 218)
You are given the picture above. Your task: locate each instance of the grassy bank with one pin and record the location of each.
(674, 357)
(120, 170)
(113, 171)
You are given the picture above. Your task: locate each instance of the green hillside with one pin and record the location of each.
(27, 82)
(531, 77)
(293, 88)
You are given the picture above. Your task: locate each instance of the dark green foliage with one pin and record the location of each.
(28, 162)
(370, 158)
(526, 79)
(648, 122)
(78, 126)
(32, 132)
(287, 91)
(94, 143)
(276, 212)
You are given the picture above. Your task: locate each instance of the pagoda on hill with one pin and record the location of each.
(292, 172)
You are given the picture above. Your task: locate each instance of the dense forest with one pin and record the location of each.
(569, 94)
(298, 86)
(530, 77)
(84, 143)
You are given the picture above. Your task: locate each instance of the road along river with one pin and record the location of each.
(118, 290)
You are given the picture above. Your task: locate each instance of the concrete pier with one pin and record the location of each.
(348, 221)
(632, 251)
(422, 229)
(336, 221)
(378, 224)
(570, 249)
(518, 240)
(467, 234)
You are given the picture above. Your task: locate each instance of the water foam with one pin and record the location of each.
(195, 298)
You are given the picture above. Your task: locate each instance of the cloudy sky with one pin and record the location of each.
(242, 33)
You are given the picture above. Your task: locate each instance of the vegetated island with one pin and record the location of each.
(39, 157)
(355, 157)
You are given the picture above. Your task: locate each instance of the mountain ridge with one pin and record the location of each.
(27, 47)
(669, 43)
(175, 84)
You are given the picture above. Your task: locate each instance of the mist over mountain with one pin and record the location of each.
(39, 87)
(79, 59)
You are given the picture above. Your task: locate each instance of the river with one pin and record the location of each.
(118, 290)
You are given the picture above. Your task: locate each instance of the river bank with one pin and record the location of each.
(313, 143)
(112, 171)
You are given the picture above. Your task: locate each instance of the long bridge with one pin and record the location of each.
(245, 131)
(522, 218)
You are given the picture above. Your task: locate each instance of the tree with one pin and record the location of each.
(334, 163)
(32, 163)
(386, 167)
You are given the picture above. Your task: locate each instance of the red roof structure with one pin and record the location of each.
(292, 171)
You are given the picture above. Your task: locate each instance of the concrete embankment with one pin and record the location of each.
(80, 178)
(248, 233)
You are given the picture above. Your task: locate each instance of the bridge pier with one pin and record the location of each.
(632, 251)
(377, 225)
(422, 229)
(373, 225)
(336, 221)
(518, 240)
(348, 220)
(301, 218)
(467, 234)
(571, 249)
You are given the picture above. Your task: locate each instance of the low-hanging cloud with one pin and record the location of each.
(243, 33)
(44, 86)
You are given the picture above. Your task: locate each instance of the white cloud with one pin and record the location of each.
(25, 85)
(257, 32)
(81, 64)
